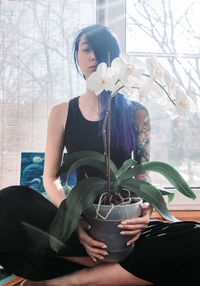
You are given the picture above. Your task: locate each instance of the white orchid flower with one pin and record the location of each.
(101, 79)
(127, 76)
(172, 84)
(182, 102)
(130, 87)
(155, 69)
(145, 89)
(126, 65)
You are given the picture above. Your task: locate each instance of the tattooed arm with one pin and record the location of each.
(141, 154)
(143, 130)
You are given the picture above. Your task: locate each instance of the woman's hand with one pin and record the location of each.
(136, 225)
(95, 249)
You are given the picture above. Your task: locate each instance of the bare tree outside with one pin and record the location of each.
(170, 29)
(36, 72)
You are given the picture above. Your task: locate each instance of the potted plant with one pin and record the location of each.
(97, 199)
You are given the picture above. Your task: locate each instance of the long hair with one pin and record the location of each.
(103, 42)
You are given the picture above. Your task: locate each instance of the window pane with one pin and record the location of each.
(37, 72)
(171, 31)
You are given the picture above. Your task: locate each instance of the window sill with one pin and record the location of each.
(187, 215)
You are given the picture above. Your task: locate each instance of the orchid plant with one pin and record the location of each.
(134, 79)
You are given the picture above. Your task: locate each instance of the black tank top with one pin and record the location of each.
(82, 134)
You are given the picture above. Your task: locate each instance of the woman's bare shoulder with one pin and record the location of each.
(61, 107)
(59, 113)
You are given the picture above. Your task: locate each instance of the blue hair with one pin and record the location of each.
(103, 42)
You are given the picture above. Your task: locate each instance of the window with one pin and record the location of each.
(171, 31)
(37, 72)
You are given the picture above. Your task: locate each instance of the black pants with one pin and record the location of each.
(165, 253)
(25, 252)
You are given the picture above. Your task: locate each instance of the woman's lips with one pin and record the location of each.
(93, 67)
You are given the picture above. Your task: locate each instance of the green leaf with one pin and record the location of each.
(165, 192)
(80, 197)
(172, 175)
(127, 164)
(72, 158)
(171, 197)
(150, 194)
(130, 173)
(35, 234)
(94, 162)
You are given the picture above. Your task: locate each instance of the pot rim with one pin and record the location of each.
(109, 212)
(127, 205)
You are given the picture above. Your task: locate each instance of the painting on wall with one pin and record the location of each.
(32, 165)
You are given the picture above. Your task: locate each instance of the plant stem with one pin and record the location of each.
(108, 170)
(106, 141)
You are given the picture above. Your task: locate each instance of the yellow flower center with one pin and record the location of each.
(102, 82)
(158, 72)
(182, 104)
(173, 87)
(130, 68)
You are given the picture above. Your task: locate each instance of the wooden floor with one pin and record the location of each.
(182, 215)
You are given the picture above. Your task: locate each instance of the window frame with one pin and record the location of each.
(112, 13)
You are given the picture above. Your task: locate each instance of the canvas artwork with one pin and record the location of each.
(32, 165)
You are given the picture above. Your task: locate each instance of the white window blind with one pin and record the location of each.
(36, 72)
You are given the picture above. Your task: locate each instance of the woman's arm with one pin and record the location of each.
(143, 130)
(54, 152)
(134, 227)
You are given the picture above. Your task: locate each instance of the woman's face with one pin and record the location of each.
(86, 58)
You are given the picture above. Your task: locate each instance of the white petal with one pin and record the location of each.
(138, 63)
(92, 81)
(124, 57)
(182, 102)
(139, 71)
(102, 68)
(98, 89)
(116, 63)
(167, 77)
(145, 89)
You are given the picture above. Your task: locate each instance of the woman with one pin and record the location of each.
(77, 126)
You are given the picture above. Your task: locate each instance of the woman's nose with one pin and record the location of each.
(92, 56)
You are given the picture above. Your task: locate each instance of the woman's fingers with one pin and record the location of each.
(88, 240)
(132, 226)
(84, 224)
(132, 232)
(96, 253)
(144, 219)
(134, 239)
(136, 221)
(95, 249)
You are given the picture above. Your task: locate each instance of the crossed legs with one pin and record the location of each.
(103, 274)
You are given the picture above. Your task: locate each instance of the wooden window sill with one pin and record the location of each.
(182, 215)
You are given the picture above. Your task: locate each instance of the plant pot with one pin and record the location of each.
(104, 228)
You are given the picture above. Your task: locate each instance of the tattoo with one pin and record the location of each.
(144, 177)
(143, 129)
